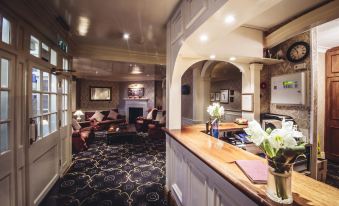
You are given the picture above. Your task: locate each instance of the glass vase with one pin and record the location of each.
(279, 182)
(215, 129)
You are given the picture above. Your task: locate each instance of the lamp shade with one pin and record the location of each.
(78, 113)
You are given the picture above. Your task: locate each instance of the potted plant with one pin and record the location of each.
(216, 112)
(281, 151)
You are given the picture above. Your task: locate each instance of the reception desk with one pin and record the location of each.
(201, 170)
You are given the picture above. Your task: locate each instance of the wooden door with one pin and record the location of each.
(332, 105)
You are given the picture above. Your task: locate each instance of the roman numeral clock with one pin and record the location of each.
(298, 52)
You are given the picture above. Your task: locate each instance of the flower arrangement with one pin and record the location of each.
(281, 150)
(216, 111)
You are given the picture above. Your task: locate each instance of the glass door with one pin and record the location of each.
(43, 151)
(65, 129)
(7, 65)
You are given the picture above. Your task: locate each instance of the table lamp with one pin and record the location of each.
(78, 113)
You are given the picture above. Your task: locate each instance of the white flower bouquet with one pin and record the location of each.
(281, 150)
(216, 111)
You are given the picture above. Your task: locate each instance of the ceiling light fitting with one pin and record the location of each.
(135, 69)
(212, 56)
(229, 19)
(203, 38)
(232, 58)
(125, 36)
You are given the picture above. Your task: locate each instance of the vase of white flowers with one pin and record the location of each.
(216, 112)
(281, 151)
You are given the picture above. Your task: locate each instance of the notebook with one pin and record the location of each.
(255, 170)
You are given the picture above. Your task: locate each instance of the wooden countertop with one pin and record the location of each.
(220, 156)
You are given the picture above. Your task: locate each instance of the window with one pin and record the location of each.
(35, 47)
(4, 104)
(45, 52)
(54, 57)
(65, 64)
(5, 30)
(44, 101)
(64, 106)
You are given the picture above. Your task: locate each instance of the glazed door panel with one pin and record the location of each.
(43, 152)
(7, 183)
(65, 129)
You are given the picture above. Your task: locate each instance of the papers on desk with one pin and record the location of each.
(255, 170)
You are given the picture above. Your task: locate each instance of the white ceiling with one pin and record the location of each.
(107, 20)
(115, 71)
(328, 35)
(282, 12)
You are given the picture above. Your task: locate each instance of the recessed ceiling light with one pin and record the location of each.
(83, 25)
(212, 56)
(203, 38)
(232, 58)
(229, 19)
(126, 36)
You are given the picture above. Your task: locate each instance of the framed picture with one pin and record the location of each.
(212, 97)
(217, 96)
(247, 102)
(231, 99)
(136, 92)
(100, 93)
(224, 96)
(231, 92)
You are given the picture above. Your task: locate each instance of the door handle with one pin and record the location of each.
(33, 131)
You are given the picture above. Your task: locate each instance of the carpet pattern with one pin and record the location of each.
(125, 174)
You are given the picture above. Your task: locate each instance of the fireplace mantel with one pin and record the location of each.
(136, 103)
(136, 99)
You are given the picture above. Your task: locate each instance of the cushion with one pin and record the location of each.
(97, 116)
(149, 115)
(75, 124)
(112, 115)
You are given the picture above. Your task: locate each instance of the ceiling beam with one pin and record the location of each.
(121, 55)
(301, 24)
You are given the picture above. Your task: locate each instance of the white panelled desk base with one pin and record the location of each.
(193, 183)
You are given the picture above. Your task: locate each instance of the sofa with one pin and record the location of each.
(105, 123)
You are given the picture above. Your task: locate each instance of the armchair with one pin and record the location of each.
(155, 128)
(81, 137)
(141, 124)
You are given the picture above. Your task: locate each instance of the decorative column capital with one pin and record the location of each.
(256, 66)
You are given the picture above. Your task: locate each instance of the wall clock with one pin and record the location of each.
(298, 51)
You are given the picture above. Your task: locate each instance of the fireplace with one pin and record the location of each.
(133, 113)
(141, 103)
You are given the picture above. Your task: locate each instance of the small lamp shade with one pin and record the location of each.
(78, 113)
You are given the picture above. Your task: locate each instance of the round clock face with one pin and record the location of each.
(298, 52)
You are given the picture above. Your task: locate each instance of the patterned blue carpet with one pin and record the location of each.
(123, 174)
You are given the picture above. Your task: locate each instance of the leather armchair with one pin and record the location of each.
(155, 128)
(141, 123)
(81, 138)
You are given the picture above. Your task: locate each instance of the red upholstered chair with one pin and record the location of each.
(141, 124)
(155, 128)
(81, 138)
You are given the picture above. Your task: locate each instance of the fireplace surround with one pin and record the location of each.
(136, 103)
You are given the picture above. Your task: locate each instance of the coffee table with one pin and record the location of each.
(127, 133)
